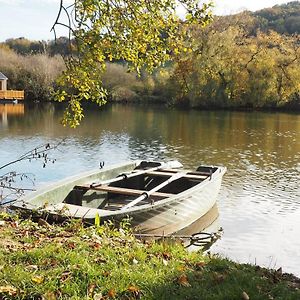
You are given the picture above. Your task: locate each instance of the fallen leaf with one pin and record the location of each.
(245, 296)
(95, 245)
(133, 289)
(14, 224)
(32, 267)
(132, 292)
(49, 296)
(98, 296)
(218, 278)
(111, 293)
(200, 265)
(183, 280)
(165, 262)
(10, 290)
(91, 289)
(100, 260)
(181, 268)
(106, 273)
(166, 255)
(71, 245)
(50, 262)
(65, 276)
(38, 279)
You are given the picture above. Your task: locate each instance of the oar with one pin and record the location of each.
(173, 164)
(148, 193)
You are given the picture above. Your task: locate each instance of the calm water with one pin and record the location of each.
(259, 202)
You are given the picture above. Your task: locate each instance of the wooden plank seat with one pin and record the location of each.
(167, 174)
(189, 173)
(122, 191)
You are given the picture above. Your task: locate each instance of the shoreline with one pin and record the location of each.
(167, 107)
(47, 261)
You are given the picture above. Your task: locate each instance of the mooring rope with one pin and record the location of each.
(197, 239)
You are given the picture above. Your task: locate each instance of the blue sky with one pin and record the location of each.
(33, 19)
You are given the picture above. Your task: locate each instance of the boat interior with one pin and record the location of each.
(144, 185)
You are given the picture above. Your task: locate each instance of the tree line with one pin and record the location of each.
(248, 60)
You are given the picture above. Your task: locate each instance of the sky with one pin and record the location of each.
(33, 19)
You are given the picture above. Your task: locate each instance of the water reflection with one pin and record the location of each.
(201, 234)
(260, 199)
(10, 110)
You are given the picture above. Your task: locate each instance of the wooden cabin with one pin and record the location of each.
(3, 82)
(5, 94)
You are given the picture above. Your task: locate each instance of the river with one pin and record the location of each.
(259, 203)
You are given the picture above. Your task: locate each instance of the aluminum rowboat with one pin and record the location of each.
(160, 198)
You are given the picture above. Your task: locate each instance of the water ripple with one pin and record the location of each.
(259, 203)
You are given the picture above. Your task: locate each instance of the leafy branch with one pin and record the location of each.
(143, 34)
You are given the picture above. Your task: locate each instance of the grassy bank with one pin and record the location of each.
(42, 261)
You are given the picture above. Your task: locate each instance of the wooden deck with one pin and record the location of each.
(11, 95)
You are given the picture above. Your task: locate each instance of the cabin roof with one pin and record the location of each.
(2, 76)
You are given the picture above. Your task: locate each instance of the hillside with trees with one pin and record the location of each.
(246, 60)
(234, 63)
(284, 19)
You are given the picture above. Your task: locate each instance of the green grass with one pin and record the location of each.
(73, 262)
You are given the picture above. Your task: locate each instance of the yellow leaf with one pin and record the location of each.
(38, 279)
(176, 51)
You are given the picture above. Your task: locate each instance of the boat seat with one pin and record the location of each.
(123, 191)
(167, 174)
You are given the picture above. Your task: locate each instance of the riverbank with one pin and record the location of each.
(42, 261)
(162, 105)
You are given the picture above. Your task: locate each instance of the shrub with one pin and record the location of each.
(35, 74)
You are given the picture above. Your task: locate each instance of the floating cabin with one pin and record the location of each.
(9, 95)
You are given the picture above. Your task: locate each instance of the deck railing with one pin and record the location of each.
(11, 94)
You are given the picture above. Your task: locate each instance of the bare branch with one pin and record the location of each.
(11, 183)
